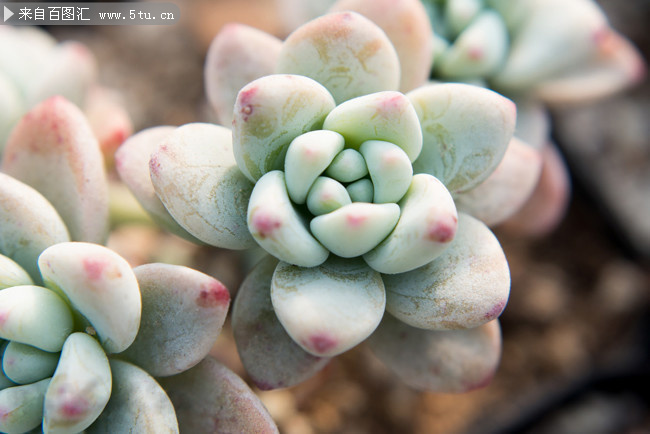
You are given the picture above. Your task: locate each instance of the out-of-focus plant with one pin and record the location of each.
(349, 184)
(82, 334)
(34, 67)
(538, 53)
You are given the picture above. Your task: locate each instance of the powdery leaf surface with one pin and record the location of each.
(271, 358)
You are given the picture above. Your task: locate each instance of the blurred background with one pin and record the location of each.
(576, 331)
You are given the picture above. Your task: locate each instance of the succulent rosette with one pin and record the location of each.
(537, 52)
(82, 334)
(349, 185)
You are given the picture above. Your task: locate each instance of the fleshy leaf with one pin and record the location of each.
(389, 168)
(331, 308)
(356, 228)
(80, 387)
(183, 311)
(307, 157)
(24, 364)
(345, 52)
(507, 188)
(426, 227)
(132, 163)
(468, 285)
(454, 361)
(537, 54)
(194, 174)
(54, 141)
(409, 30)
(137, 404)
(461, 13)
(278, 228)
(28, 224)
(100, 285)
(35, 316)
(478, 51)
(387, 116)
(21, 407)
(361, 190)
(12, 274)
(111, 123)
(269, 113)
(616, 65)
(238, 55)
(326, 195)
(271, 358)
(347, 166)
(466, 132)
(549, 201)
(4, 381)
(211, 398)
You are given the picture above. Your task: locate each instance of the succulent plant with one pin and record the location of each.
(34, 67)
(82, 351)
(83, 334)
(536, 52)
(349, 185)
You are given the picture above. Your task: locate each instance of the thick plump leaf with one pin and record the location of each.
(479, 50)
(326, 195)
(466, 132)
(356, 228)
(100, 285)
(21, 407)
(269, 113)
(345, 52)
(238, 55)
(468, 285)
(194, 174)
(55, 142)
(132, 163)
(549, 201)
(347, 166)
(537, 53)
(426, 227)
(137, 404)
(507, 188)
(12, 274)
(4, 381)
(271, 358)
(389, 168)
(387, 116)
(277, 226)
(80, 387)
(331, 308)
(183, 311)
(453, 361)
(616, 65)
(28, 224)
(211, 398)
(307, 157)
(24, 364)
(407, 26)
(35, 316)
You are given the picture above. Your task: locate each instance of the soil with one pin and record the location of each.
(575, 331)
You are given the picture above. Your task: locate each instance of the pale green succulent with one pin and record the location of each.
(537, 52)
(349, 184)
(82, 334)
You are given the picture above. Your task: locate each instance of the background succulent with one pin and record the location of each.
(281, 178)
(34, 67)
(535, 52)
